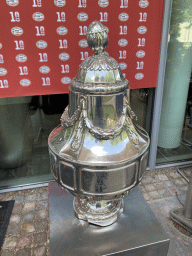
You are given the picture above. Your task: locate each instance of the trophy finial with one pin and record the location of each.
(97, 37)
(100, 174)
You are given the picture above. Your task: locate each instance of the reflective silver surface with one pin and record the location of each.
(136, 233)
(98, 153)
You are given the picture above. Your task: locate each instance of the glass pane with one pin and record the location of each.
(174, 134)
(141, 101)
(25, 125)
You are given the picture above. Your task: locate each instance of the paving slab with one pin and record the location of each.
(180, 244)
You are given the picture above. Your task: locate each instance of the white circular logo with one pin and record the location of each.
(143, 3)
(38, 16)
(44, 70)
(123, 16)
(41, 44)
(12, 2)
(59, 3)
(21, 58)
(139, 76)
(1, 45)
(122, 42)
(83, 43)
(17, 31)
(122, 65)
(82, 16)
(63, 56)
(140, 54)
(103, 3)
(62, 30)
(3, 71)
(66, 80)
(25, 82)
(142, 30)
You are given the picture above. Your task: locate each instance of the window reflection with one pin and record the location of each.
(173, 130)
(25, 125)
(103, 76)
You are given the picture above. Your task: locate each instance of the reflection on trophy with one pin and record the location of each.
(98, 153)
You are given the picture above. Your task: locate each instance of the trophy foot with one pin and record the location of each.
(102, 213)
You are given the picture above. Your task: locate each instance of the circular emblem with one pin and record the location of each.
(44, 70)
(122, 42)
(139, 76)
(122, 65)
(83, 43)
(1, 45)
(142, 30)
(62, 30)
(3, 71)
(38, 16)
(123, 16)
(12, 2)
(63, 56)
(140, 54)
(25, 82)
(59, 3)
(17, 31)
(103, 3)
(41, 44)
(21, 58)
(66, 80)
(143, 3)
(82, 16)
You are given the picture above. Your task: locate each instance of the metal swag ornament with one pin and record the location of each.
(97, 153)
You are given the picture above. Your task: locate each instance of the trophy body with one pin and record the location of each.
(98, 153)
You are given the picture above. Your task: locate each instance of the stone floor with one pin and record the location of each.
(28, 230)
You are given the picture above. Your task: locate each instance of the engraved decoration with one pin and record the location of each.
(98, 153)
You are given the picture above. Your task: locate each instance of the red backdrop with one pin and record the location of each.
(43, 42)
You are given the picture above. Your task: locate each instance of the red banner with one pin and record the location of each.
(43, 42)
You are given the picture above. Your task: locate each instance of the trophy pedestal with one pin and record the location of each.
(135, 233)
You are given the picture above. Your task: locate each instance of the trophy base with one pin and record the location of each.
(135, 233)
(102, 213)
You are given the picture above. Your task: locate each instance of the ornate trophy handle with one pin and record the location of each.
(67, 121)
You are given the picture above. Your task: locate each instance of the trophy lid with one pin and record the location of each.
(100, 73)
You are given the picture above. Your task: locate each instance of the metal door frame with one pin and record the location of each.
(160, 85)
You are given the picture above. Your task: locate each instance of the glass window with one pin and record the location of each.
(141, 101)
(174, 142)
(25, 125)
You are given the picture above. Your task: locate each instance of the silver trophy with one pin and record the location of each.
(98, 153)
